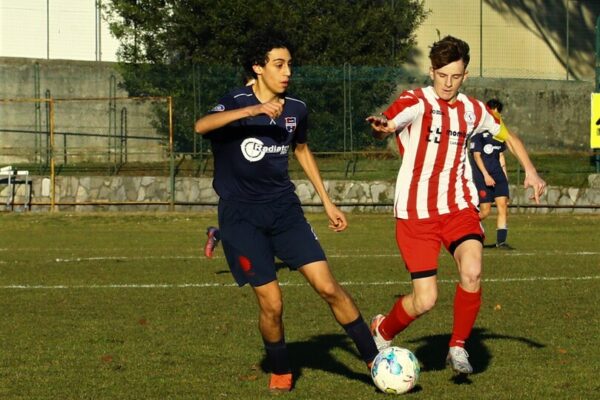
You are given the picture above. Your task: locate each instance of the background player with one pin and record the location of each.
(490, 177)
(252, 129)
(213, 236)
(436, 200)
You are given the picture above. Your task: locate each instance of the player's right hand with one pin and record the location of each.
(381, 126)
(489, 181)
(272, 109)
(537, 184)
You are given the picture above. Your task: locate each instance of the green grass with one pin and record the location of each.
(124, 306)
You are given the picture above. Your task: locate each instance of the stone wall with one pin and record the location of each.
(122, 193)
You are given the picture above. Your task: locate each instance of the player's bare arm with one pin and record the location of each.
(381, 127)
(532, 179)
(489, 181)
(217, 120)
(502, 160)
(337, 219)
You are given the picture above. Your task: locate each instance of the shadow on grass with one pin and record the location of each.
(432, 351)
(316, 353)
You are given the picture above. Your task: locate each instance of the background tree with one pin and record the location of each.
(190, 49)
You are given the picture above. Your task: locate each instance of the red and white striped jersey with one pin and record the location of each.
(435, 176)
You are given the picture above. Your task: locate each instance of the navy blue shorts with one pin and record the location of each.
(487, 194)
(254, 234)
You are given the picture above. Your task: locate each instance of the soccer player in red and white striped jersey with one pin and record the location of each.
(436, 200)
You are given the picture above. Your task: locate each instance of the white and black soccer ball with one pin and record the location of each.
(395, 370)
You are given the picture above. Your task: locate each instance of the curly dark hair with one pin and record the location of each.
(448, 50)
(258, 47)
(495, 104)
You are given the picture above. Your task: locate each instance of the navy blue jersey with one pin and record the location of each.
(490, 150)
(251, 154)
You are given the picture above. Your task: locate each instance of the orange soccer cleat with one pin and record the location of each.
(280, 383)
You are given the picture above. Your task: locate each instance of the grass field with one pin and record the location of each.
(124, 306)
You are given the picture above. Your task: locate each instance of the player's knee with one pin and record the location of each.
(331, 292)
(272, 310)
(484, 213)
(471, 278)
(424, 303)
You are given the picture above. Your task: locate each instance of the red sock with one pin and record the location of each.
(396, 321)
(466, 308)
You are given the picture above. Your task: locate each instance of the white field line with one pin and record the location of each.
(503, 253)
(290, 284)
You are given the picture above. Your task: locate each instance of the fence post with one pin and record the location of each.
(597, 88)
(51, 151)
(171, 155)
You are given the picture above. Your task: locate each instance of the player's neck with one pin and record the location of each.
(263, 93)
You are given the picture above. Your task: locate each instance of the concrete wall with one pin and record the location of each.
(153, 193)
(550, 115)
(90, 128)
(515, 38)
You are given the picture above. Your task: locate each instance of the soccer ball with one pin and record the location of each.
(395, 370)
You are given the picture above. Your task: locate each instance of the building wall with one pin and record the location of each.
(514, 39)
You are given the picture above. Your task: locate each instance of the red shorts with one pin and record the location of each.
(419, 240)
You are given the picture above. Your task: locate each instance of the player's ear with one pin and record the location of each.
(257, 69)
(466, 75)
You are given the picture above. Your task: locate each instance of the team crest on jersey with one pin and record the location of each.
(470, 117)
(218, 108)
(290, 124)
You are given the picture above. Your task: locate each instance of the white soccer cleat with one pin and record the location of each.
(458, 359)
(380, 342)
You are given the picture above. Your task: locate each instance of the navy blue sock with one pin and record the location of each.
(501, 235)
(361, 335)
(277, 354)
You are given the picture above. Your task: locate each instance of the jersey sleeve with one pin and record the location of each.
(492, 122)
(502, 145)
(404, 110)
(225, 103)
(476, 146)
(488, 122)
(301, 134)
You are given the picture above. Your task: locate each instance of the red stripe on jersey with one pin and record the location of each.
(433, 178)
(440, 160)
(411, 204)
(461, 149)
(405, 100)
(399, 144)
(478, 110)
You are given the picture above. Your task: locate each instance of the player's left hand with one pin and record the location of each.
(337, 219)
(537, 184)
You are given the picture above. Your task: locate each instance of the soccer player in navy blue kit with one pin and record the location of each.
(251, 130)
(490, 177)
